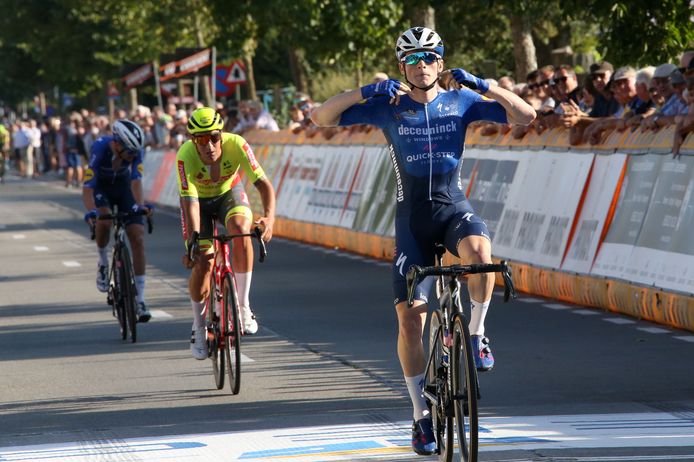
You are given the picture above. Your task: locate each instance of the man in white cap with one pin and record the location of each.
(674, 105)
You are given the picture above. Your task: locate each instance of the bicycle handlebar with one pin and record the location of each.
(122, 216)
(417, 273)
(257, 234)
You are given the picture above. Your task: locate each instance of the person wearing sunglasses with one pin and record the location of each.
(114, 178)
(208, 171)
(425, 126)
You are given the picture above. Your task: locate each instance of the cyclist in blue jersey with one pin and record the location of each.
(425, 129)
(114, 177)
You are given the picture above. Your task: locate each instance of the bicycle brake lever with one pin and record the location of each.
(262, 250)
(150, 225)
(193, 245)
(411, 278)
(509, 289)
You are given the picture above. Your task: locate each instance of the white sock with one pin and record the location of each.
(477, 315)
(414, 387)
(103, 255)
(243, 286)
(198, 320)
(140, 285)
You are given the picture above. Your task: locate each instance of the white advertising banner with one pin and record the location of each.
(667, 221)
(363, 171)
(634, 198)
(542, 202)
(604, 179)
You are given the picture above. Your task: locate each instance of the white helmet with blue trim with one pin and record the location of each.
(418, 39)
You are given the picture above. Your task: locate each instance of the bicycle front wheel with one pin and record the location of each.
(116, 295)
(464, 383)
(436, 383)
(128, 292)
(216, 346)
(232, 334)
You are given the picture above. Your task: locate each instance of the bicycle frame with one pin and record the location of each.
(452, 396)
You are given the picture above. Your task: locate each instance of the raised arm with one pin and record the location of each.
(517, 110)
(328, 114)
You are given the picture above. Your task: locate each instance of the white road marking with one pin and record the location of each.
(40, 248)
(530, 300)
(71, 264)
(18, 236)
(685, 338)
(378, 440)
(586, 312)
(620, 321)
(556, 306)
(654, 330)
(160, 314)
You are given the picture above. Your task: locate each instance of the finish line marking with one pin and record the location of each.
(376, 440)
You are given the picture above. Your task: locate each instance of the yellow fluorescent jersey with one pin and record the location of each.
(193, 176)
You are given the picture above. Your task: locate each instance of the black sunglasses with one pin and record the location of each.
(533, 86)
(556, 82)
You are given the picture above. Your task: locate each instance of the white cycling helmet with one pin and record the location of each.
(418, 39)
(129, 134)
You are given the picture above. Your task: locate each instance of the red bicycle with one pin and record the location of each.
(222, 308)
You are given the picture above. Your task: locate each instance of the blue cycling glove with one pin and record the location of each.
(463, 77)
(90, 216)
(386, 87)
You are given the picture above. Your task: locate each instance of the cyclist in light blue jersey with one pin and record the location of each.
(425, 129)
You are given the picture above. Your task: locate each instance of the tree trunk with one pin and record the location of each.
(298, 69)
(249, 53)
(200, 39)
(523, 46)
(423, 16)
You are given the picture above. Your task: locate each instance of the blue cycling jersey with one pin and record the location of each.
(101, 169)
(426, 141)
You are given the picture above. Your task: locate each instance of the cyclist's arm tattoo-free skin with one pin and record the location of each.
(267, 195)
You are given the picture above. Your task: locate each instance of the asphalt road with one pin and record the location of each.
(324, 356)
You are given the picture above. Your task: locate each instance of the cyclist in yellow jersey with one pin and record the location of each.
(208, 168)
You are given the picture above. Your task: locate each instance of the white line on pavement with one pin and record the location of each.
(620, 321)
(586, 312)
(654, 330)
(18, 236)
(556, 306)
(72, 264)
(40, 248)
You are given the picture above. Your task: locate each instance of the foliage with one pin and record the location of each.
(78, 45)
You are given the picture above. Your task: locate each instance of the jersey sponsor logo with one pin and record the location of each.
(427, 156)
(435, 130)
(251, 156)
(88, 174)
(399, 195)
(141, 169)
(182, 175)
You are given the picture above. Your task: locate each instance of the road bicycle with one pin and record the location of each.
(122, 292)
(222, 307)
(451, 388)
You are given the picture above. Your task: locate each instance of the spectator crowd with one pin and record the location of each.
(648, 98)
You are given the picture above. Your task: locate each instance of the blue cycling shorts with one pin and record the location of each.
(417, 233)
(117, 193)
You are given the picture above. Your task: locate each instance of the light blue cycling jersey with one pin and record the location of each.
(101, 169)
(426, 141)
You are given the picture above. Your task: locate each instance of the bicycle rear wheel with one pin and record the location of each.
(464, 381)
(437, 383)
(232, 334)
(128, 291)
(216, 345)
